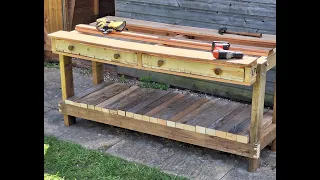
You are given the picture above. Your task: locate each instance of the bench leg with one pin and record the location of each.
(97, 72)
(253, 164)
(257, 111)
(66, 84)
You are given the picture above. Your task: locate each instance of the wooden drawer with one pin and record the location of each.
(198, 68)
(96, 52)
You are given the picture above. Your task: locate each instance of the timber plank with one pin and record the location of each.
(246, 150)
(230, 122)
(161, 99)
(195, 112)
(164, 105)
(117, 97)
(88, 91)
(103, 94)
(180, 53)
(175, 107)
(204, 33)
(143, 100)
(242, 130)
(213, 114)
(130, 97)
(176, 42)
(189, 109)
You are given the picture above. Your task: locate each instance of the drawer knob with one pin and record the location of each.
(70, 47)
(116, 56)
(217, 71)
(160, 63)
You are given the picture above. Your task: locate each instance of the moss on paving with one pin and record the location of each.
(65, 160)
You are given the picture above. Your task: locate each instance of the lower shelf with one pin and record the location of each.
(213, 117)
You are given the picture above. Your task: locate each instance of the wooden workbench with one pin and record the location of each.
(213, 123)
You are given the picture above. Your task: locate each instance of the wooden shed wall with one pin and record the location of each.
(237, 15)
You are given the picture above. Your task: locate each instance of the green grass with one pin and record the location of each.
(71, 161)
(122, 79)
(147, 83)
(51, 65)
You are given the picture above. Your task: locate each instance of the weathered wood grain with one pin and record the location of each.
(188, 14)
(103, 94)
(77, 96)
(161, 99)
(212, 114)
(189, 109)
(246, 150)
(182, 22)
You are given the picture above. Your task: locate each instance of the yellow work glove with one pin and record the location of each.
(107, 26)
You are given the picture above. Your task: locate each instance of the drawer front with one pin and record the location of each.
(96, 52)
(193, 67)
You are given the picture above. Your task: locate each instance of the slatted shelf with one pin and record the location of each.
(213, 117)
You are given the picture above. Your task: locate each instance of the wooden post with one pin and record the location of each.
(66, 84)
(273, 145)
(97, 72)
(96, 8)
(257, 111)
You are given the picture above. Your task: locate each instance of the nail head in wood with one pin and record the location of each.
(70, 47)
(160, 63)
(116, 56)
(217, 71)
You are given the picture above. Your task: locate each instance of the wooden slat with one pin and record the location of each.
(213, 113)
(77, 96)
(202, 33)
(164, 105)
(119, 104)
(189, 109)
(181, 123)
(87, 29)
(230, 122)
(179, 53)
(174, 109)
(247, 150)
(159, 99)
(53, 18)
(105, 104)
(103, 94)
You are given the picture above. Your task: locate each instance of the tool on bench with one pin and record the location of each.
(220, 50)
(225, 30)
(107, 26)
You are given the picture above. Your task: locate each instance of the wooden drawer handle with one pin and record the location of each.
(116, 56)
(160, 63)
(217, 71)
(70, 47)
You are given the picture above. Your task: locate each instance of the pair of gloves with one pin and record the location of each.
(107, 26)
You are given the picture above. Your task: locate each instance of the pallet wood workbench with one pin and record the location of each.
(213, 123)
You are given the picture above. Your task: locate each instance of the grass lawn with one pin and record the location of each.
(65, 160)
